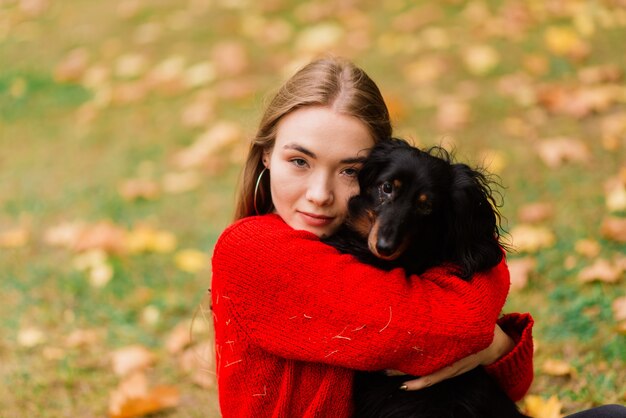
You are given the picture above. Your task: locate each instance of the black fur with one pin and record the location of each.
(418, 209)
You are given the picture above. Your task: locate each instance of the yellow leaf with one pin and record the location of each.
(493, 161)
(565, 41)
(554, 367)
(529, 238)
(156, 399)
(615, 193)
(14, 238)
(191, 260)
(30, 337)
(537, 407)
(480, 59)
(147, 239)
(319, 38)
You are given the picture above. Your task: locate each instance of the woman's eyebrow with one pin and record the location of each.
(301, 149)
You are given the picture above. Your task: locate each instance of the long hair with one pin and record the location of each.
(331, 82)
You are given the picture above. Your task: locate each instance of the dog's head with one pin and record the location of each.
(413, 200)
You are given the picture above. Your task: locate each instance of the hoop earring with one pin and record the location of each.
(256, 189)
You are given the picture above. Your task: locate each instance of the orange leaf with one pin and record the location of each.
(614, 229)
(72, 66)
(619, 308)
(14, 238)
(587, 247)
(602, 271)
(157, 399)
(535, 212)
(103, 235)
(555, 151)
(133, 189)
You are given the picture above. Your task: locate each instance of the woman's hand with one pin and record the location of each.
(500, 346)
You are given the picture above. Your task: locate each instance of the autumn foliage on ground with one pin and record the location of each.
(124, 125)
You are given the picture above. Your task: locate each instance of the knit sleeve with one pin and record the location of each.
(299, 298)
(514, 371)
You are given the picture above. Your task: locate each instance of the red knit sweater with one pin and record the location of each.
(293, 318)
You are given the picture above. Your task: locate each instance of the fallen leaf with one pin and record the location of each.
(536, 64)
(222, 134)
(103, 235)
(144, 238)
(147, 33)
(613, 129)
(535, 212)
(614, 229)
(230, 58)
(133, 189)
(14, 238)
(128, 9)
(556, 151)
(601, 270)
(200, 111)
(82, 338)
(529, 238)
(554, 367)
(480, 59)
(182, 182)
(34, 8)
(191, 260)
(615, 194)
(425, 70)
(178, 338)
(619, 308)
(537, 407)
(30, 337)
(150, 315)
(200, 74)
(493, 161)
(587, 247)
(72, 66)
(134, 398)
(452, 114)
(520, 269)
(167, 76)
(97, 266)
(131, 65)
(608, 73)
(319, 38)
(199, 361)
(131, 359)
(564, 41)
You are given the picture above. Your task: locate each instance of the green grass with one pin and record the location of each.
(55, 167)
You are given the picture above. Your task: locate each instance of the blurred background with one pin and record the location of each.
(124, 126)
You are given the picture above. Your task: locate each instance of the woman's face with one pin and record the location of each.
(314, 166)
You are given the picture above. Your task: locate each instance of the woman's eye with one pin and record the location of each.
(351, 172)
(299, 162)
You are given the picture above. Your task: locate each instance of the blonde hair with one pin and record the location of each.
(332, 82)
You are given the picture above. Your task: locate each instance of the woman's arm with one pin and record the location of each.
(298, 298)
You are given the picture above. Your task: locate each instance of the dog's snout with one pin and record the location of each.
(384, 246)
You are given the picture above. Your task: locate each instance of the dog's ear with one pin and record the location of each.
(473, 222)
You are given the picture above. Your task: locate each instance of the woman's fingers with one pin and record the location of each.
(464, 365)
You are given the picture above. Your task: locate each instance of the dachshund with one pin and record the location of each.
(418, 209)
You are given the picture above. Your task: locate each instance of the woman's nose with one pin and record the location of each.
(320, 190)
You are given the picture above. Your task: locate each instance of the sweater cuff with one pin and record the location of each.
(514, 371)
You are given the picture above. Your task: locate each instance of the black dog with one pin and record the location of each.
(418, 209)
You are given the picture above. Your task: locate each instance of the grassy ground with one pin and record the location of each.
(74, 130)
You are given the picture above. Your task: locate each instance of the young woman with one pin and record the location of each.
(294, 317)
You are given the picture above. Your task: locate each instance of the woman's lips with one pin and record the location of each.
(316, 220)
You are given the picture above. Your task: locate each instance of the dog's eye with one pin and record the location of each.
(387, 187)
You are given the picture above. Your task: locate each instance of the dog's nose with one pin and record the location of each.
(384, 246)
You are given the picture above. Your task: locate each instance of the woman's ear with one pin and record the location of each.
(266, 158)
